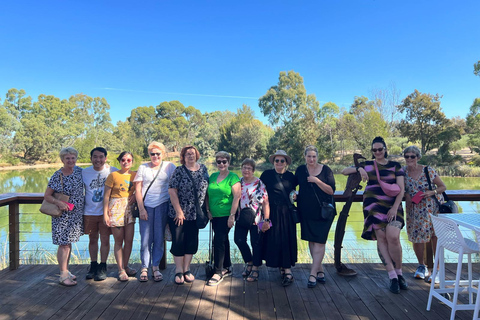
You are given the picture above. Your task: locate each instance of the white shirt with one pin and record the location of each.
(94, 184)
(158, 192)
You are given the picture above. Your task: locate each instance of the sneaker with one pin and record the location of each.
(394, 286)
(402, 283)
(101, 272)
(429, 278)
(422, 272)
(92, 271)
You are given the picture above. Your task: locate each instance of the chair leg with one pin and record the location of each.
(470, 293)
(432, 285)
(457, 285)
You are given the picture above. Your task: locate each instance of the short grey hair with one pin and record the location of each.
(413, 149)
(223, 154)
(68, 150)
(310, 148)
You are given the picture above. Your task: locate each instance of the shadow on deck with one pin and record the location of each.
(32, 291)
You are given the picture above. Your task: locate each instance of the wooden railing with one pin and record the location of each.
(13, 201)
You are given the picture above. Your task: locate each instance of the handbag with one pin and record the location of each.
(202, 216)
(246, 218)
(209, 264)
(449, 206)
(327, 210)
(390, 189)
(135, 208)
(51, 209)
(294, 212)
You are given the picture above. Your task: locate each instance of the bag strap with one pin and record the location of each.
(376, 170)
(155, 178)
(61, 178)
(313, 187)
(290, 205)
(195, 194)
(425, 170)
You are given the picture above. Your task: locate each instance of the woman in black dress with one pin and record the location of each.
(281, 240)
(317, 185)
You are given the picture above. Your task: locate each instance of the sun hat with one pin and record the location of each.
(280, 153)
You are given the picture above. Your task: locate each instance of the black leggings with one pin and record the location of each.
(240, 237)
(221, 244)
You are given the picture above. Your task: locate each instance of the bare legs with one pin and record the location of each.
(317, 251)
(388, 244)
(63, 258)
(182, 265)
(123, 244)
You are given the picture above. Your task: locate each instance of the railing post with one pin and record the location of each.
(14, 234)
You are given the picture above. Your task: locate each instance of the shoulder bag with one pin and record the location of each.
(390, 189)
(449, 206)
(202, 216)
(135, 208)
(327, 210)
(294, 212)
(51, 209)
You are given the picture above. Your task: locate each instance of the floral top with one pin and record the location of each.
(253, 195)
(181, 181)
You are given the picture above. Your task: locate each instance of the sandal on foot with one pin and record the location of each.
(189, 277)
(312, 284)
(215, 281)
(247, 270)
(143, 275)
(130, 271)
(72, 276)
(180, 276)
(67, 281)
(253, 276)
(227, 272)
(157, 275)
(287, 279)
(321, 279)
(122, 276)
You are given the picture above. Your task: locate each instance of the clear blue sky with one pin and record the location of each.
(218, 55)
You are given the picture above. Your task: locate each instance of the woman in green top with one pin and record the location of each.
(224, 192)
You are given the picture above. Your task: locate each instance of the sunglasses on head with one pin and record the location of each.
(409, 157)
(280, 160)
(158, 154)
(222, 161)
(126, 160)
(378, 150)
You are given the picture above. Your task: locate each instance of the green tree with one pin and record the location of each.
(424, 119)
(328, 124)
(208, 139)
(476, 68)
(143, 122)
(473, 125)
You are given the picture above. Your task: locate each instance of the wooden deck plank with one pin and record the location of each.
(32, 292)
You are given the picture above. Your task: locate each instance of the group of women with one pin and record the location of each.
(174, 196)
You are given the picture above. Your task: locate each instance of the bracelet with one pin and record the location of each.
(357, 168)
(435, 191)
(266, 220)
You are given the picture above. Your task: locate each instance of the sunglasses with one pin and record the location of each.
(409, 157)
(126, 160)
(378, 150)
(280, 160)
(222, 161)
(158, 154)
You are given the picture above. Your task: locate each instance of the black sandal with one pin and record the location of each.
(180, 276)
(253, 276)
(248, 269)
(287, 279)
(214, 282)
(312, 284)
(321, 279)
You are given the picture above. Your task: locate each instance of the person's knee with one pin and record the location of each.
(93, 237)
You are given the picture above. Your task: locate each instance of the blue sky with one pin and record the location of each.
(218, 55)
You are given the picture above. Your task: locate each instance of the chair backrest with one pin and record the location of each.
(449, 235)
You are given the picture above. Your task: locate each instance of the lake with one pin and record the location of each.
(35, 228)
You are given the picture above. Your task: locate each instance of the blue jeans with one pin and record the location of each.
(152, 235)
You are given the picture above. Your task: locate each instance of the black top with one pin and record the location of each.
(275, 193)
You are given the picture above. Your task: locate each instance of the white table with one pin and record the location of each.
(467, 220)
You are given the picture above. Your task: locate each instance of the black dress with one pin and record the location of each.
(280, 242)
(314, 228)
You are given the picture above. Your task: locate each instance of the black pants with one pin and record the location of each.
(240, 237)
(221, 244)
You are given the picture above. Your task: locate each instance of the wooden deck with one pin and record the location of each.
(32, 292)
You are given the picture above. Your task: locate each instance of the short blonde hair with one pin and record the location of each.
(156, 145)
(68, 150)
(222, 154)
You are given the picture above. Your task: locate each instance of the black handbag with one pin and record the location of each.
(135, 208)
(449, 206)
(202, 215)
(246, 218)
(294, 212)
(328, 211)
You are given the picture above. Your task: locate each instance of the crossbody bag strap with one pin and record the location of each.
(61, 178)
(376, 170)
(155, 178)
(425, 170)
(193, 183)
(290, 205)
(313, 187)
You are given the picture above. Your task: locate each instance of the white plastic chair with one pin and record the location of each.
(450, 238)
(477, 302)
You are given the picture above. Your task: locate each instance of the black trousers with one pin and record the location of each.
(240, 237)
(221, 244)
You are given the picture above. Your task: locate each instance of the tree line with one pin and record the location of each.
(36, 130)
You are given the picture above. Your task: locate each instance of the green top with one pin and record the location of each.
(220, 195)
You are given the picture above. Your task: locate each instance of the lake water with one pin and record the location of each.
(35, 228)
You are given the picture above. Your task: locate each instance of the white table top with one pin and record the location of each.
(467, 220)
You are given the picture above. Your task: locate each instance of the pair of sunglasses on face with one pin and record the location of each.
(158, 154)
(280, 160)
(378, 150)
(222, 161)
(409, 157)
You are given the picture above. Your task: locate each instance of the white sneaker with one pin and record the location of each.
(429, 278)
(422, 272)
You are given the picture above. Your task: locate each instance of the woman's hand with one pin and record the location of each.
(61, 205)
(312, 179)
(428, 194)
(131, 199)
(265, 226)
(231, 221)
(143, 213)
(392, 214)
(179, 217)
(106, 220)
(363, 174)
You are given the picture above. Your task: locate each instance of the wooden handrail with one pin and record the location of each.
(13, 200)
